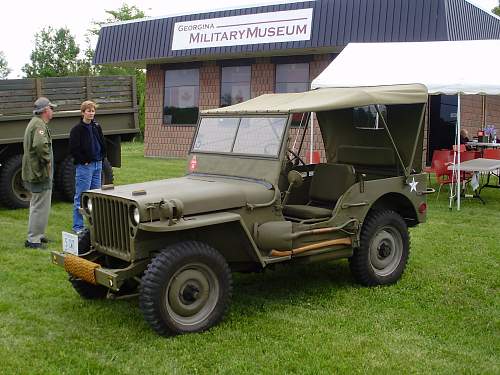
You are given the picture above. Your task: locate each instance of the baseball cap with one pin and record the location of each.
(41, 103)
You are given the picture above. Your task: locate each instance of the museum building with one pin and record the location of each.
(208, 60)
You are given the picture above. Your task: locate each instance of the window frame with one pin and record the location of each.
(243, 155)
(167, 70)
(276, 82)
(221, 82)
(379, 124)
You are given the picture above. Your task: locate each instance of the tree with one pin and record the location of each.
(4, 66)
(124, 13)
(55, 55)
(496, 9)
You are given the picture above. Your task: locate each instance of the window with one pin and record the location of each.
(259, 136)
(247, 135)
(182, 91)
(235, 85)
(292, 77)
(216, 134)
(367, 117)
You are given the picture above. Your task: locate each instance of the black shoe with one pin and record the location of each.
(33, 245)
(45, 240)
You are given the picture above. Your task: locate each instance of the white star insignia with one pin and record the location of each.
(413, 185)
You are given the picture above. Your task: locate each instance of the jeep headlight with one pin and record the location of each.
(87, 204)
(135, 216)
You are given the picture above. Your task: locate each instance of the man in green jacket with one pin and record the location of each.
(38, 171)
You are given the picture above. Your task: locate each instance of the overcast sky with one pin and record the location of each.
(22, 19)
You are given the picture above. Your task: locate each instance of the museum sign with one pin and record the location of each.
(275, 27)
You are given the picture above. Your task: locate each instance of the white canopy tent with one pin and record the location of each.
(451, 68)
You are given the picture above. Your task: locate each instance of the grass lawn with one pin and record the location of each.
(442, 317)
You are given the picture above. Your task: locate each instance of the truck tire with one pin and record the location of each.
(13, 194)
(65, 177)
(384, 251)
(84, 289)
(186, 288)
(107, 173)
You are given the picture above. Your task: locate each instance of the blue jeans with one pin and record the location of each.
(87, 177)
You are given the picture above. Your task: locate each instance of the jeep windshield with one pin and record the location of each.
(258, 136)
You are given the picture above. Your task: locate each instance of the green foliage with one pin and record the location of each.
(496, 10)
(440, 318)
(124, 13)
(4, 66)
(55, 55)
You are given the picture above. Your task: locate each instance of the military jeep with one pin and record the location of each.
(249, 200)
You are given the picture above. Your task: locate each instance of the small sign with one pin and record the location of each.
(70, 243)
(193, 164)
(271, 27)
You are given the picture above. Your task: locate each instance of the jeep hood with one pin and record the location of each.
(198, 193)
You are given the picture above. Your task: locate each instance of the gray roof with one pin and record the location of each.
(335, 24)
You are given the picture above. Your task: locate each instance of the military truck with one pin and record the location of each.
(117, 113)
(249, 201)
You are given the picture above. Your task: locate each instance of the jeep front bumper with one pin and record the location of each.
(88, 271)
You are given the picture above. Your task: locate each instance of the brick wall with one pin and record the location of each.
(174, 140)
(263, 78)
(472, 112)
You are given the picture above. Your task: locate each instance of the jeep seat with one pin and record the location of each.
(329, 182)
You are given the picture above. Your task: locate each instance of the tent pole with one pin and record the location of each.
(312, 138)
(483, 117)
(457, 142)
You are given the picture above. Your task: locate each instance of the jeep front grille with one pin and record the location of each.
(111, 223)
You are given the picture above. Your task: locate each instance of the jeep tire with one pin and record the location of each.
(13, 194)
(186, 288)
(385, 247)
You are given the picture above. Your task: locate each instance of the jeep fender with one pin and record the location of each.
(225, 231)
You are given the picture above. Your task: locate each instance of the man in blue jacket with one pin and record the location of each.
(87, 146)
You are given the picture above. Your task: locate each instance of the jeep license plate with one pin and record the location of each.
(70, 243)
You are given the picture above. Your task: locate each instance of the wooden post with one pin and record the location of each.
(134, 91)
(38, 87)
(88, 84)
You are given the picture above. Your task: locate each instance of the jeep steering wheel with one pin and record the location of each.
(296, 159)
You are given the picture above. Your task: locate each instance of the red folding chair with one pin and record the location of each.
(443, 175)
(444, 154)
(492, 153)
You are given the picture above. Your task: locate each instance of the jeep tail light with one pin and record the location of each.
(422, 208)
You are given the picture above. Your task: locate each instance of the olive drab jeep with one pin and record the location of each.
(249, 200)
